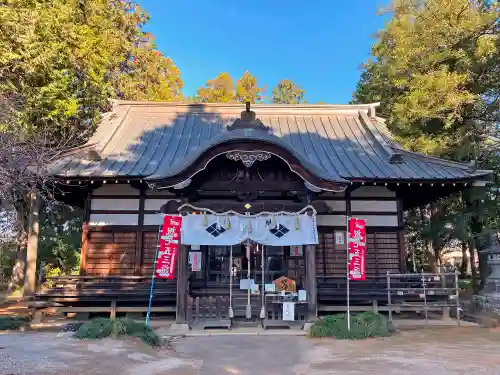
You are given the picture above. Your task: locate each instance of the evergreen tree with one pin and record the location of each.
(436, 71)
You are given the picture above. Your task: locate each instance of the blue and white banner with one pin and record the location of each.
(285, 230)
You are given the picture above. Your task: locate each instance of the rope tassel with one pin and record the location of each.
(297, 222)
(204, 219)
(227, 223)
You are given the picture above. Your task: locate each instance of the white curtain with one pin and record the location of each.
(282, 230)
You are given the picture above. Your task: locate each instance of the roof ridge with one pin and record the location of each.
(239, 106)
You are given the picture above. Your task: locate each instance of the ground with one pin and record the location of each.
(453, 351)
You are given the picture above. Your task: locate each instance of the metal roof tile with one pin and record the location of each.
(143, 139)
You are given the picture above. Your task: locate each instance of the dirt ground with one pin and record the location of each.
(451, 351)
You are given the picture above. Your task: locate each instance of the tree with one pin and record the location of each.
(63, 60)
(217, 90)
(436, 71)
(60, 63)
(435, 68)
(151, 76)
(287, 92)
(247, 89)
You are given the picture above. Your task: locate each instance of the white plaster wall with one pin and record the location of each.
(371, 220)
(374, 206)
(373, 191)
(151, 204)
(336, 205)
(113, 219)
(115, 189)
(153, 219)
(114, 204)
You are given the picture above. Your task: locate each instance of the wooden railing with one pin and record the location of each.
(206, 312)
(332, 289)
(99, 287)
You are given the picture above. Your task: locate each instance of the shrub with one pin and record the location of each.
(367, 324)
(9, 322)
(102, 327)
(98, 328)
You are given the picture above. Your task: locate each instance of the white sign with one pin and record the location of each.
(302, 295)
(339, 238)
(289, 311)
(245, 284)
(270, 288)
(195, 260)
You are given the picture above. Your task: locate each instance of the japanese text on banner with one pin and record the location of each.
(357, 249)
(168, 247)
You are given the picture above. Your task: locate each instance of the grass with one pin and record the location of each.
(10, 322)
(100, 328)
(465, 284)
(363, 325)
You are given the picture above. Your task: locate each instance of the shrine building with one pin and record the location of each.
(230, 170)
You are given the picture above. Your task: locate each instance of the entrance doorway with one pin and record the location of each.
(253, 267)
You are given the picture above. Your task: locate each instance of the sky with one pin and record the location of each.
(319, 44)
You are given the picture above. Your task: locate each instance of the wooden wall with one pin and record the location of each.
(382, 254)
(110, 253)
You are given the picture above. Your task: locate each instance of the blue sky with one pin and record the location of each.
(319, 44)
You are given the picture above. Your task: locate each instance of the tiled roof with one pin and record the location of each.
(335, 142)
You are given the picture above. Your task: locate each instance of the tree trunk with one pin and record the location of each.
(464, 266)
(18, 270)
(473, 268)
(32, 245)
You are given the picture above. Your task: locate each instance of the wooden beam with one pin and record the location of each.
(85, 233)
(311, 287)
(139, 236)
(83, 252)
(32, 246)
(182, 279)
(172, 206)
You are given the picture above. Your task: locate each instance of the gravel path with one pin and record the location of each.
(457, 351)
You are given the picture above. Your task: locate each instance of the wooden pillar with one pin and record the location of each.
(139, 248)
(85, 233)
(83, 252)
(182, 280)
(311, 287)
(32, 246)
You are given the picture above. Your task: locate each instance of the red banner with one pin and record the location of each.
(357, 249)
(168, 247)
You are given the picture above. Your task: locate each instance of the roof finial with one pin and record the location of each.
(247, 106)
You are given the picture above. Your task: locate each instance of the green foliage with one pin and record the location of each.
(217, 90)
(247, 89)
(222, 90)
(7, 260)
(96, 329)
(287, 92)
(60, 239)
(11, 323)
(62, 60)
(364, 325)
(102, 327)
(435, 68)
